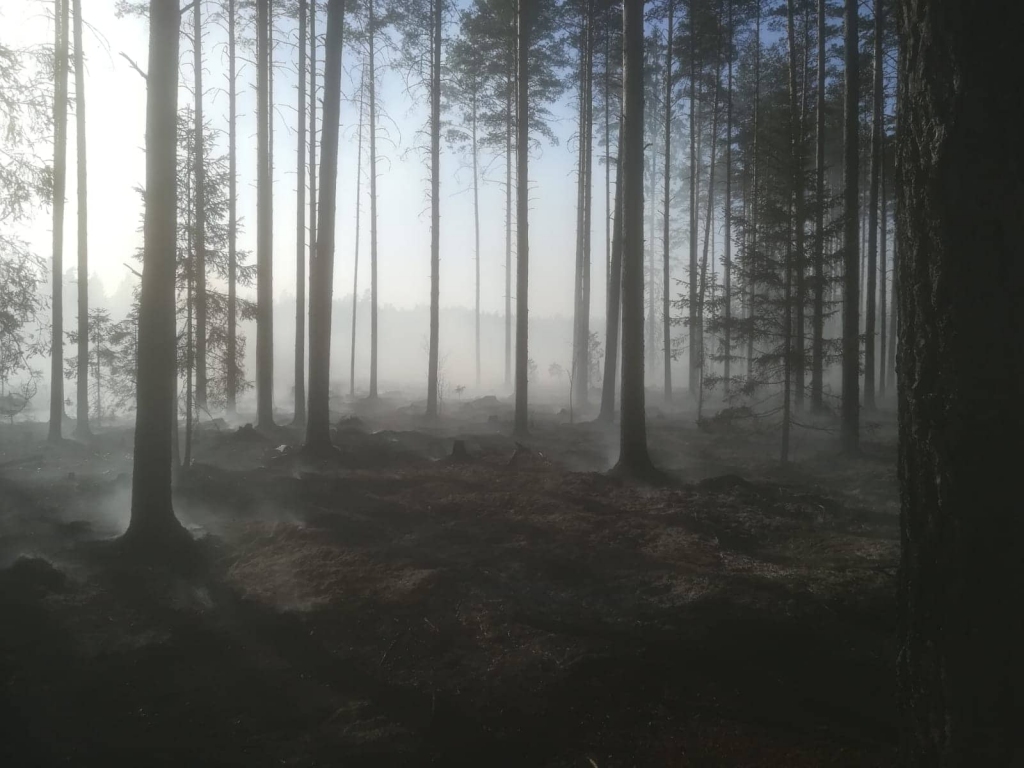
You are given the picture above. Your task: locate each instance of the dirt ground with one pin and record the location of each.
(390, 606)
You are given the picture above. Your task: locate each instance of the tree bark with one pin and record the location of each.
(960, 193)
(355, 255)
(318, 426)
(373, 200)
(524, 17)
(727, 342)
(695, 342)
(666, 222)
(60, 140)
(476, 229)
(797, 160)
(200, 198)
(152, 514)
(232, 341)
(264, 226)
(871, 309)
(850, 424)
(82, 430)
(300, 230)
(633, 456)
(435, 206)
(508, 234)
(818, 342)
(613, 300)
(755, 206)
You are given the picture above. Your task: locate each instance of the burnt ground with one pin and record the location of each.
(390, 607)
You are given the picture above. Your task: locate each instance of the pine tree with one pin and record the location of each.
(60, 138)
(851, 195)
(82, 430)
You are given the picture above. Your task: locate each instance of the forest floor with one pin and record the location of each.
(390, 606)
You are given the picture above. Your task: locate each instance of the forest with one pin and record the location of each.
(592, 383)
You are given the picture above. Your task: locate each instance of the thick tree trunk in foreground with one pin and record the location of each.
(613, 303)
(435, 208)
(633, 456)
(318, 426)
(961, 383)
(850, 426)
(152, 515)
(522, 421)
(82, 426)
(300, 231)
(60, 147)
(264, 226)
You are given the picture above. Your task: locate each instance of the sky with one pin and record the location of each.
(115, 106)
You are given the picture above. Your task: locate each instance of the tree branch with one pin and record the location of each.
(135, 66)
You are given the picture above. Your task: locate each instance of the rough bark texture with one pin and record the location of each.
(60, 141)
(961, 383)
(264, 226)
(318, 426)
(522, 422)
(435, 208)
(850, 429)
(152, 515)
(300, 230)
(82, 396)
(633, 456)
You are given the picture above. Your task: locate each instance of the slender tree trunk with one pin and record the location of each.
(300, 230)
(318, 426)
(695, 342)
(232, 343)
(82, 426)
(200, 197)
(960, 193)
(607, 158)
(435, 207)
(60, 140)
(797, 159)
(708, 227)
(633, 456)
(727, 341)
(755, 207)
(882, 258)
(871, 310)
(152, 516)
(582, 379)
(264, 226)
(373, 202)
(851, 247)
(524, 17)
(894, 304)
(818, 342)
(476, 228)
(787, 341)
(355, 255)
(312, 156)
(666, 229)
(613, 301)
(508, 234)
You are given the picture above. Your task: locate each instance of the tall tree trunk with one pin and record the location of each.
(152, 520)
(264, 226)
(850, 425)
(318, 426)
(877, 119)
(476, 228)
(200, 197)
(508, 234)
(755, 207)
(666, 229)
(82, 426)
(435, 206)
(232, 343)
(613, 301)
(312, 155)
(633, 456)
(373, 201)
(355, 255)
(695, 342)
(581, 380)
(524, 17)
(300, 230)
(882, 259)
(60, 140)
(818, 342)
(797, 160)
(727, 342)
(708, 230)
(960, 193)
(607, 157)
